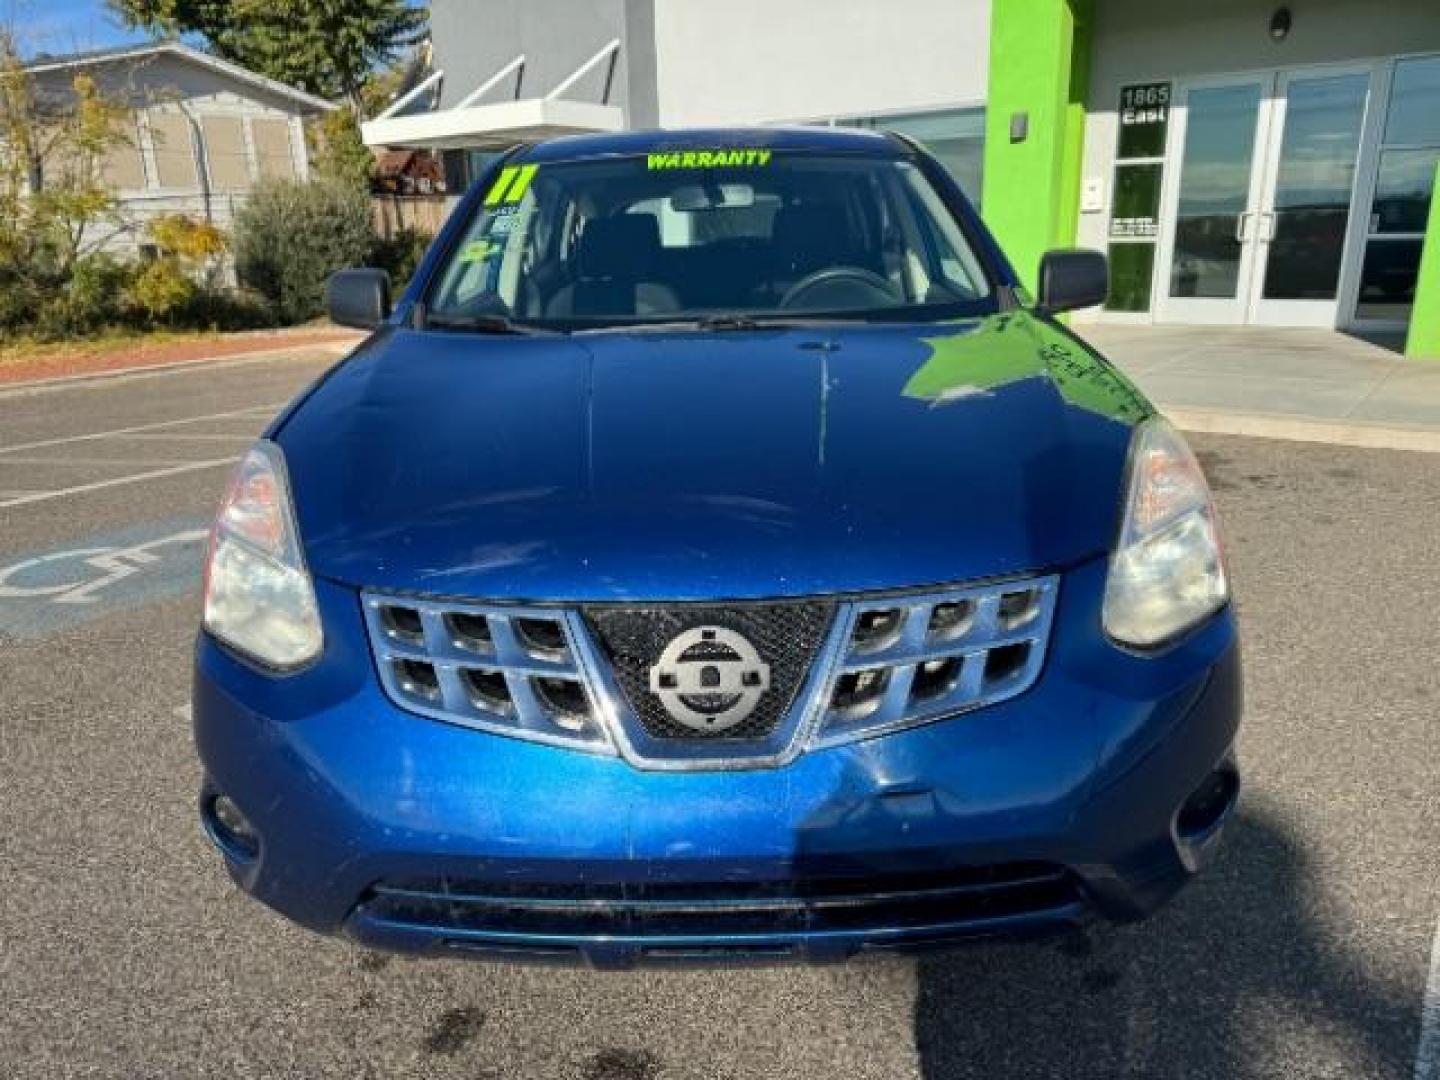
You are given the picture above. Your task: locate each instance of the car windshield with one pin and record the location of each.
(745, 235)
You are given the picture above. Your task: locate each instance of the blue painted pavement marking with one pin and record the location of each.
(46, 592)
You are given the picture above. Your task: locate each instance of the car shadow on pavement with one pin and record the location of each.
(1237, 977)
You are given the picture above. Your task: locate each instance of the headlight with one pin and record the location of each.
(1166, 573)
(258, 595)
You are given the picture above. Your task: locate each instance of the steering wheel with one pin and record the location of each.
(875, 289)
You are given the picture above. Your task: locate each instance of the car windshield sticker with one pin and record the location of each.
(514, 181)
(478, 251)
(709, 159)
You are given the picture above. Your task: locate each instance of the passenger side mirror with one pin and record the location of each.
(1073, 278)
(358, 298)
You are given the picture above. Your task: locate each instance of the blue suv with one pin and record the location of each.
(716, 554)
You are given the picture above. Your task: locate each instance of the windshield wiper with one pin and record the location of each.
(711, 323)
(477, 324)
(737, 322)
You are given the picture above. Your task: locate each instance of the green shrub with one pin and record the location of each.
(161, 290)
(399, 255)
(290, 237)
(227, 309)
(95, 297)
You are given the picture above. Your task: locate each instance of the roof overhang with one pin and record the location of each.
(493, 126)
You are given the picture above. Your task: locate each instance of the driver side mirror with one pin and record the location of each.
(1072, 278)
(358, 298)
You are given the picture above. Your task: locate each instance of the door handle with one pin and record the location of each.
(1241, 226)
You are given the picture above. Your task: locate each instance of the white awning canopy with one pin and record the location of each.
(493, 125)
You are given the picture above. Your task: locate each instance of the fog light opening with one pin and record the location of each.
(1208, 804)
(232, 829)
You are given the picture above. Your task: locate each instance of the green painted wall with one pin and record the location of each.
(1039, 65)
(1423, 340)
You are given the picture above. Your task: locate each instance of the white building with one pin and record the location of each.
(1240, 161)
(200, 131)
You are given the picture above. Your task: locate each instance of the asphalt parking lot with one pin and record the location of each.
(125, 952)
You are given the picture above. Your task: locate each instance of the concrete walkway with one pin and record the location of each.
(1313, 385)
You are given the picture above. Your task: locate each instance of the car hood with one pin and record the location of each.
(686, 465)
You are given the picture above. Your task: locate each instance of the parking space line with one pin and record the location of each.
(186, 436)
(92, 461)
(1427, 1055)
(253, 410)
(153, 474)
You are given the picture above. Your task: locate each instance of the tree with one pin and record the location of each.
(338, 150)
(328, 47)
(53, 194)
(290, 237)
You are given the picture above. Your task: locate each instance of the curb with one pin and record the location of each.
(1305, 429)
(141, 371)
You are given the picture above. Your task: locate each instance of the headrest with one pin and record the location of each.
(624, 247)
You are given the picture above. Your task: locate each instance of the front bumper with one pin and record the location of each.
(412, 834)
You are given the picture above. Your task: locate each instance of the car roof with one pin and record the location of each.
(839, 140)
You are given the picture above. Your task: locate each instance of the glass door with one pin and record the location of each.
(1255, 225)
(1207, 250)
(1305, 203)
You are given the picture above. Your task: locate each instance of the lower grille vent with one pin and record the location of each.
(805, 904)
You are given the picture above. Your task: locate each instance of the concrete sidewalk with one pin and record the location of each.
(1305, 384)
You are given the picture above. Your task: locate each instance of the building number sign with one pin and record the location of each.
(1146, 104)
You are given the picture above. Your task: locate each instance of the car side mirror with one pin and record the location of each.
(1073, 278)
(358, 298)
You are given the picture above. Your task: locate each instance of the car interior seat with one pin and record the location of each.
(616, 265)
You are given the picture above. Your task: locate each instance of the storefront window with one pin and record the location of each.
(955, 136)
(1401, 206)
(1414, 115)
(1132, 267)
(1402, 191)
(1136, 209)
(1144, 115)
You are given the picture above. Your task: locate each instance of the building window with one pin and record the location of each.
(225, 153)
(123, 168)
(1144, 116)
(273, 152)
(174, 152)
(1400, 208)
(955, 136)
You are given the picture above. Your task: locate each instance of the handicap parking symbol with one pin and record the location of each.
(41, 593)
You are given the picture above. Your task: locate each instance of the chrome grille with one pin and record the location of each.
(510, 670)
(910, 659)
(841, 669)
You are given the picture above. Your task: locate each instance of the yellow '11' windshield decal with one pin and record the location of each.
(708, 159)
(514, 181)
